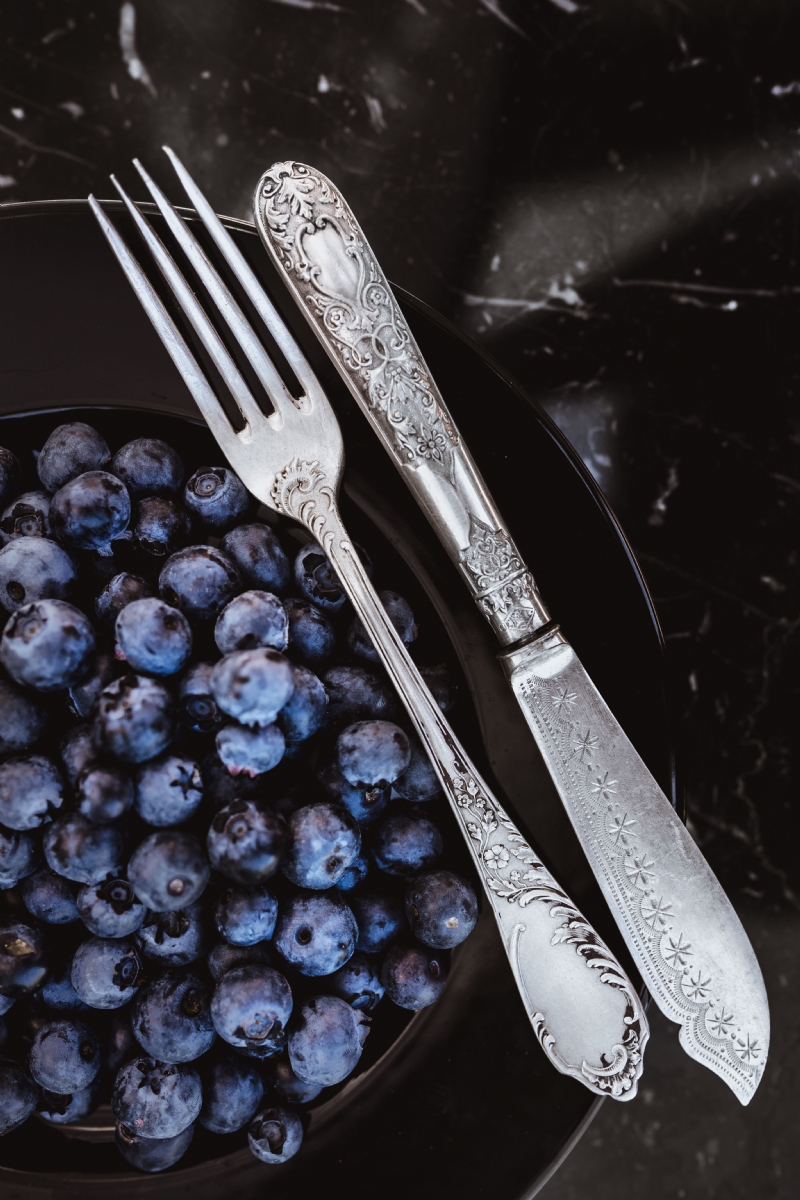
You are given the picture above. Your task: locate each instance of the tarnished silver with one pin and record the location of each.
(583, 1008)
(677, 921)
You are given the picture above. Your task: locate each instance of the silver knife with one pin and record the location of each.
(677, 921)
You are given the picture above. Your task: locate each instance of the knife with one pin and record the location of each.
(677, 921)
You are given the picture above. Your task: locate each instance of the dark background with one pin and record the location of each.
(606, 196)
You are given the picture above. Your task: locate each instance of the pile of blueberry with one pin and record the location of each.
(214, 855)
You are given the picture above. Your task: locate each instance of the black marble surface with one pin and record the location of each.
(605, 194)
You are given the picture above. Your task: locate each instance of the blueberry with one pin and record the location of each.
(18, 1096)
(78, 752)
(168, 870)
(152, 1154)
(171, 1017)
(316, 934)
(34, 569)
(317, 580)
(251, 1006)
(156, 1099)
(153, 637)
(22, 720)
(304, 712)
(326, 1041)
(354, 876)
(175, 938)
(58, 992)
(246, 915)
(413, 976)
(91, 512)
(65, 1055)
(106, 972)
(31, 792)
(197, 708)
(9, 473)
(20, 855)
(168, 789)
(47, 645)
(148, 467)
(24, 966)
(400, 615)
(442, 686)
(68, 452)
(200, 581)
(325, 839)
(232, 1092)
(275, 1135)
(380, 921)
(217, 496)
(224, 957)
(134, 719)
(258, 554)
(121, 590)
(84, 694)
(27, 516)
(63, 1109)
(355, 694)
(419, 781)
(120, 1045)
(104, 793)
(311, 636)
(80, 850)
(364, 803)
(252, 686)
(50, 898)
(110, 909)
(251, 620)
(246, 842)
(220, 788)
(358, 982)
(372, 752)
(405, 845)
(442, 909)
(160, 526)
(252, 752)
(289, 1086)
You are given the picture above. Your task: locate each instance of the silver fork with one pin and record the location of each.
(583, 1008)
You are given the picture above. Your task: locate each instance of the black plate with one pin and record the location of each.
(464, 1103)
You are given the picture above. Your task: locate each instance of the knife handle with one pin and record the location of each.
(584, 1010)
(328, 265)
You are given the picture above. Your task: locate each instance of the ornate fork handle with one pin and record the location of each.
(601, 1042)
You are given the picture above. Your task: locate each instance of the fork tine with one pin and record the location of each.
(221, 295)
(247, 278)
(174, 342)
(245, 401)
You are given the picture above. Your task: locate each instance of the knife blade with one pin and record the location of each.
(677, 921)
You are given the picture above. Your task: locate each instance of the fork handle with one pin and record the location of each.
(583, 1008)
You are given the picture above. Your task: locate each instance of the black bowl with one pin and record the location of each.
(463, 1102)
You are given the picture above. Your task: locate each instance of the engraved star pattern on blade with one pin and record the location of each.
(679, 924)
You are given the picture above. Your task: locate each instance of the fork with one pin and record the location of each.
(584, 1010)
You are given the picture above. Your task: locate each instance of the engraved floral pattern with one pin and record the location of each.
(300, 490)
(363, 322)
(513, 872)
(491, 558)
(354, 310)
